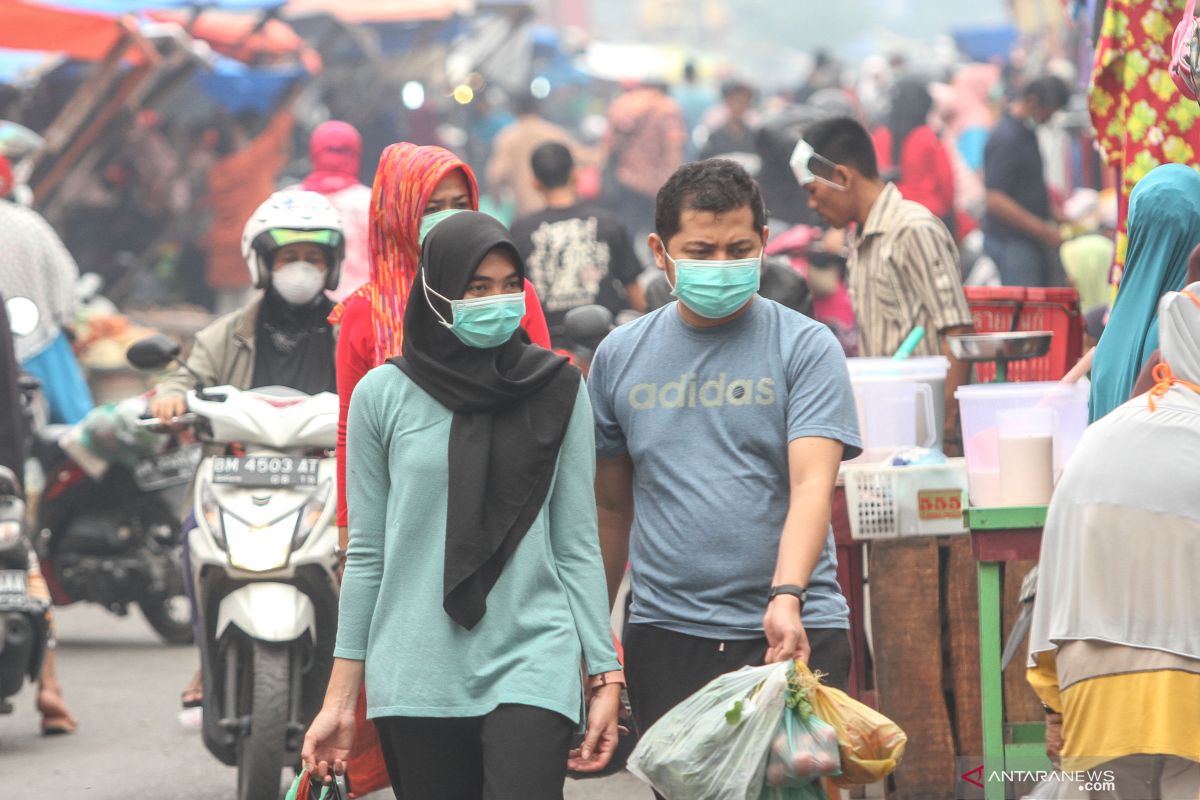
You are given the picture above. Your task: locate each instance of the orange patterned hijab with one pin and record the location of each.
(407, 177)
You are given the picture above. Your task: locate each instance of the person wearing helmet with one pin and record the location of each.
(293, 246)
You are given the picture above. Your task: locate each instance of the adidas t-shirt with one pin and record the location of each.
(706, 415)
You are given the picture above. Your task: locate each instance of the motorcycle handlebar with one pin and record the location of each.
(156, 425)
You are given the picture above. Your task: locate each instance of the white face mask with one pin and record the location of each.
(298, 282)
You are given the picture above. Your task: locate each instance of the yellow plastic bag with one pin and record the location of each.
(871, 745)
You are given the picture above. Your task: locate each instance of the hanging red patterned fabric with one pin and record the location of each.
(1141, 118)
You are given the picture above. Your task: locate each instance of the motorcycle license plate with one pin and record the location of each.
(167, 469)
(13, 582)
(266, 470)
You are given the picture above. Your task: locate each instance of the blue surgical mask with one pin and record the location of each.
(430, 221)
(482, 322)
(716, 289)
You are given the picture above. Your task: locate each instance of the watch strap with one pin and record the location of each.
(799, 592)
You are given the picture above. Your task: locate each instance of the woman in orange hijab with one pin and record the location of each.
(410, 183)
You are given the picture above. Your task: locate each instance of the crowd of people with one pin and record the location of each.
(490, 500)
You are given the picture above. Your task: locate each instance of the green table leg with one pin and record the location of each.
(991, 677)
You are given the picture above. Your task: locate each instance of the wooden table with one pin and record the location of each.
(1000, 535)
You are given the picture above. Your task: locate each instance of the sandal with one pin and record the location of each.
(193, 695)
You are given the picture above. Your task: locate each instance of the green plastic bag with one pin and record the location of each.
(304, 788)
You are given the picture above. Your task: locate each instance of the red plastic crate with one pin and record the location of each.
(1055, 310)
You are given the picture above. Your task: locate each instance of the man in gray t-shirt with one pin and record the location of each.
(720, 423)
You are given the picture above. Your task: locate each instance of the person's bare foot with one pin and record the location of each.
(193, 695)
(56, 717)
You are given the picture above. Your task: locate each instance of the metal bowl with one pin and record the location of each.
(1016, 346)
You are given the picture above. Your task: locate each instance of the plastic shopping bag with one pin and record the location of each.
(871, 745)
(805, 749)
(714, 745)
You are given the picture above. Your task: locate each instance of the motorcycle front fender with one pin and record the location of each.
(271, 612)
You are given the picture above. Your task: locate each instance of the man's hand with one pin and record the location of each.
(166, 407)
(786, 637)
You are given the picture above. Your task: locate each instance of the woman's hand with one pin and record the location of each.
(1054, 738)
(601, 739)
(327, 743)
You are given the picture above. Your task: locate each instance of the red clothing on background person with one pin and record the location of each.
(372, 318)
(335, 151)
(925, 174)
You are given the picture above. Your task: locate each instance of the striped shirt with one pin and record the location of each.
(904, 273)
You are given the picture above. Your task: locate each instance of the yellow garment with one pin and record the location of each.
(1119, 715)
(1088, 261)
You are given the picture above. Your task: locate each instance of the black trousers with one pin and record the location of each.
(664, 668)
(516, 752)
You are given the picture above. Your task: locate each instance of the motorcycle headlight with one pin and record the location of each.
(259, 548)
(212, 514)
(10, 533)
(312, 512)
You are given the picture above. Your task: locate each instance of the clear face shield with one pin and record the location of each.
(809, 167)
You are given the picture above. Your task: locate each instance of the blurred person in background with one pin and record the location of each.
(56, 717)
(695, 99)
(736, 132)
(509, 174)
(34, 263)
(335, 151)
(911, 155)
(242, 178)
(1020, 227)
(644, 147)
(575, 254)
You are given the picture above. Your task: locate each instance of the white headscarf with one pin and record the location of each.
(1122, 536)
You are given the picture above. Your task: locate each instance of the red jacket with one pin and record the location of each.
(926, 175)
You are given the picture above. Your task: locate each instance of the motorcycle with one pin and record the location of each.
(108, 520)
(24, 619)
(263, 558)
(24, 625)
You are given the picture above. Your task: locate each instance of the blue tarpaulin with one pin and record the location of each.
(236, 87)
(990, 43)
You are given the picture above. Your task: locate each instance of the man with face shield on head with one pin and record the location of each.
(293, 246)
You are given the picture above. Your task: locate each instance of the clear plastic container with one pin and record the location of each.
(930, 370)
(980, 407)
(1026, 450)
(893, 416)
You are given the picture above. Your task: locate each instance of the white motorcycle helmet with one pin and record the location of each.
(287, 218)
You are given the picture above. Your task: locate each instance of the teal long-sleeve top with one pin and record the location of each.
(548, 610)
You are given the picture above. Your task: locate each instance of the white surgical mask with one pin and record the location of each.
(298, 282)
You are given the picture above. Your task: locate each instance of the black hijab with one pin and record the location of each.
(511, 407)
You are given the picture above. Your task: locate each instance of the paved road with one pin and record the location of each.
(123, 686)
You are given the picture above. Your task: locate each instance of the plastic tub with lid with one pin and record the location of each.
(1024, 409)
(930, 370)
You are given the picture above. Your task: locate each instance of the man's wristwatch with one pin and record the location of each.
(799, 592)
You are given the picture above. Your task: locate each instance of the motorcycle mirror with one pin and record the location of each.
(588, 325)
(23, 315)
(153, 353)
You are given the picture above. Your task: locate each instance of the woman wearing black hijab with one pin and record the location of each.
(474, 584)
